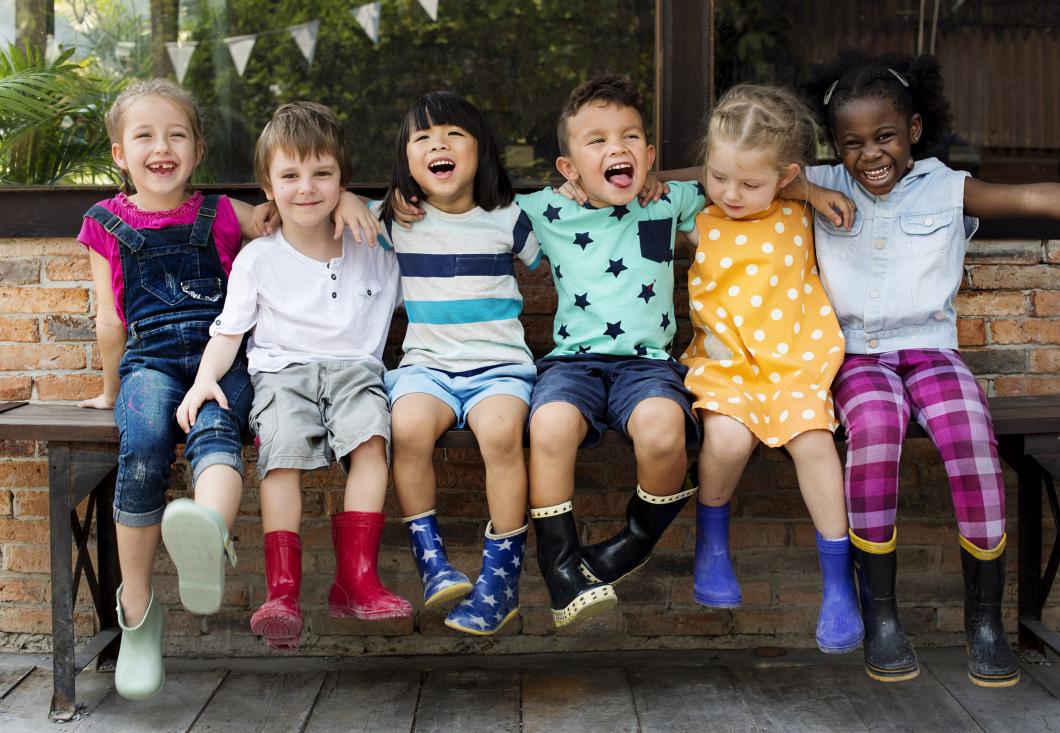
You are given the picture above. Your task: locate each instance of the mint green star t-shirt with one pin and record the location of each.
(613, 269)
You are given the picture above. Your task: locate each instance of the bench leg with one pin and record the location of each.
(60, 480)
(107, 568)
(1030, 552)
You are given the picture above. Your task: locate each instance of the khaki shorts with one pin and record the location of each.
(307, 414)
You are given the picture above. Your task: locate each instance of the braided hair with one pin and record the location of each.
(912, 84)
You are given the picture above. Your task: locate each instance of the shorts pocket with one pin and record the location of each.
(207, 289)
(263, 420)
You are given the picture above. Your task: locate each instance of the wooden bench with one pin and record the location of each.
(82, 463)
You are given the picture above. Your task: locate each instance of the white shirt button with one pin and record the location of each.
(884, 196)
(874, 343)
(929, 221)
(881, 243)
(940, 316)
(874, 293)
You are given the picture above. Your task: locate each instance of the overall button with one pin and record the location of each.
(874, 293)
(334, 295)
(874, 343)
(881, 243)
(334, 276)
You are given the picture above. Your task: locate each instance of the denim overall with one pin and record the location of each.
(174, 289)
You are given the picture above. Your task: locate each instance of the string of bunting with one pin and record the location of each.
(304, 35)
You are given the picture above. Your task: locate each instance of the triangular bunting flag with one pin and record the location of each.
(305, 35)
(368, 18)
(180, 57)
(431, 6)
(240, 48)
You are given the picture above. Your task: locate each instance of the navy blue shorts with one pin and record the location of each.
(606, 389)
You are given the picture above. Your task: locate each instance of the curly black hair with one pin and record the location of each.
(857, 75)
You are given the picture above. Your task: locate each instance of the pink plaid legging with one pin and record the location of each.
(874, 397)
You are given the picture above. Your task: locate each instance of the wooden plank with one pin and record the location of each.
(694, 699)
(1028, 707)
(582, 698)
(372, 702)
(921, 704)
(174, 710)
(10, 678)
(797, 698)
(261, 702)
(26, 708)
(468, 700)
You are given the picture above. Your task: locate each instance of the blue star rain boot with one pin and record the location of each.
(441, 583)
(494, 600)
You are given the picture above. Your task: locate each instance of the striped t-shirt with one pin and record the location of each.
(461, 296)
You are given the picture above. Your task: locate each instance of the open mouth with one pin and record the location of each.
(619, 174)
(877, 175)
(162, 169)
(441, 168)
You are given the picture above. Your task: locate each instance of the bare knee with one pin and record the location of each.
(657, 428)
(411, 437)
(556, 430)
(725, 440)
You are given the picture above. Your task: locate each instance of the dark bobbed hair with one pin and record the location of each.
(493, 188)
(616, 89)
(857, 75)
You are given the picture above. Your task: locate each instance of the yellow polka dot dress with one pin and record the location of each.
(765, 343)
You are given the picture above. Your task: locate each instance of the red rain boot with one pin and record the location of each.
(279, 619)
(357, 590)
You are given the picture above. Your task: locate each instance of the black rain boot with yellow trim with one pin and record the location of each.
(889, 657)
(991, 661)
(574, 597)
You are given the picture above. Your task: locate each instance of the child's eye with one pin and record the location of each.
(753, 186)
(418, 138)
(633, 136)
(458, 133)
(142, 134)
(596, 140)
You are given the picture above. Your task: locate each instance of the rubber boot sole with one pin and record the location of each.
(349, 612)
(589, 603)
(999, 681)
(882, 675)
(840, 650)
(712, 603)
(481, 632)
(279, 630)
(450, 593)
(195, 542)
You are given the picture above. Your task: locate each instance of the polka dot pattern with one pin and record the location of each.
(753, 286)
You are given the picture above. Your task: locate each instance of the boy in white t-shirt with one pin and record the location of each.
(318, 311)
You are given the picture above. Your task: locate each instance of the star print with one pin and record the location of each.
(666, 197)
(614, 330)
(478, 621)
(430, 554)
(581, 301)
(509, 593)
(582, 239)
(551, 212)
(414, 527)
(700, 190)
(466, 603)
(647, 291)
(486, 553)
(516, 562)
(665, 321)
(642, 350)
(490, 599)
(559, 275)
(619, 211)
(583, 349)
(506, 545)
(563, 331)
(500, 572)
(616, 267)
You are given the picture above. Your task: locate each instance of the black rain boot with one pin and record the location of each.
(647, 517)
(991, 661)
(573, 596)
(889, 657)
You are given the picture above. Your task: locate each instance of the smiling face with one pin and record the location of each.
(443, 160)
(609, 153)
(875, 142)
(158, 150)
(744, 182)
(306, 191)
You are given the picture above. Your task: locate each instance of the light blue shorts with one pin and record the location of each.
(461, 393)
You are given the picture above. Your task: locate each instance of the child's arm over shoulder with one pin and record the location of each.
(996, 200)
(110, 333)
(524, 242)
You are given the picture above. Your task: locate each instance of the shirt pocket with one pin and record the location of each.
(927, 233)
(833, 241)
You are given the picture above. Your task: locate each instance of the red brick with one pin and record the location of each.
(23, 589)
(1005, 386)
(1005, 251)
(1045, 360)
(971, 331)
(991, 303)
(25, 330)
(1045, 303)
(23, 530)
(68, 268)
(41, 356)
(16, 388)
(27, 558)
(68, 386)
(43, 300)
(23, 474)
(1052, 251)
(1008, 277)
(1029, 331)
(31, 502)
(42, 247)
(6, 504)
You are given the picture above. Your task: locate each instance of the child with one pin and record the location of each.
(318, 312)
(465, 358)
(160, 258)
(892, 279)
(765, 345)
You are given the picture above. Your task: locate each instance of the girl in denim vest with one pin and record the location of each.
(892, 278)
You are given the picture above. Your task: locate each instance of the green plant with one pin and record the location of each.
(51, 120)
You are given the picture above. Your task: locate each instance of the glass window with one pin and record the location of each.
(515, 59)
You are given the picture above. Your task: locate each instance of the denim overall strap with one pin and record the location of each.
(116, 227)
(203, 226)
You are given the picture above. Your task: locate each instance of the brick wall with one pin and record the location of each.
(1010, 331)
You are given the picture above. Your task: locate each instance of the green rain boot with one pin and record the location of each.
(196, 538)
(139, 673)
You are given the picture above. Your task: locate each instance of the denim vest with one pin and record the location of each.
(893, 276)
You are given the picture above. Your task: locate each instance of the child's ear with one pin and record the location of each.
(118, 155)
(916, 127)
(651, 156)
(566, 168)
(200, 151)
(788, 175)
(268, 193)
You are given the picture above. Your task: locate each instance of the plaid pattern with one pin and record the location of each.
(874, 396)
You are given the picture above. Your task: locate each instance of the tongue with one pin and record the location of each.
(622, 180)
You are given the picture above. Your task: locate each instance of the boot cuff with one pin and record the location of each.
(283, 538)
(422, 515)
(552, 511)
(715, 512)
(839, 546)
(357, 519)
(653, 499)
(513, 533)
(876, 548)
(980, 554)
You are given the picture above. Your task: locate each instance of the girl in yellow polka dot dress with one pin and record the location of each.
(765, 346)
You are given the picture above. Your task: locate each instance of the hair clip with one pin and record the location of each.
(900, 78)
(828, 94)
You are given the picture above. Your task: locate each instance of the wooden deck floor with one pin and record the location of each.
(644, 691)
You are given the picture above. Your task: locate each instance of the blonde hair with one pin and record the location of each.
(115, 117)
(305, 129)
(765, 120)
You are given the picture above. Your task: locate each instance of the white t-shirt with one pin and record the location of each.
(303, 310)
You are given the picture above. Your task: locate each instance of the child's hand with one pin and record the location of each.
(835, 206)
(573, 191)
(266, 219)
(653, 190)
(99, 402)
(199, 393)
(351, 212)
(406, 213)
